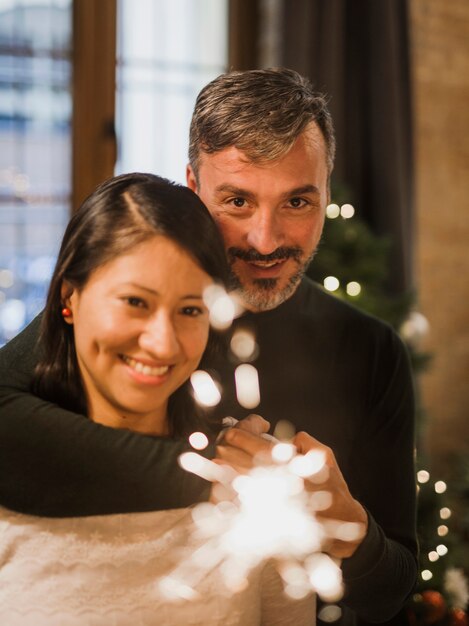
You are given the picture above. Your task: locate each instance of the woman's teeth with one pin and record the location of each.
(145, 369)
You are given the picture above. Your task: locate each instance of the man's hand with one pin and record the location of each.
(343, 508)
(239, 449)
(242, 443)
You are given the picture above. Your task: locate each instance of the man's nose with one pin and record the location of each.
(265, 231)
(159, 337)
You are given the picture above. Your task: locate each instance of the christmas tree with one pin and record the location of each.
(352, 263)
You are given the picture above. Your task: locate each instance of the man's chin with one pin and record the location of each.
(265, 294)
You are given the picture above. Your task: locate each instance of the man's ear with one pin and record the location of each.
(191, 179)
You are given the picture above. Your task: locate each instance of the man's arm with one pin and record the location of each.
(57, 463)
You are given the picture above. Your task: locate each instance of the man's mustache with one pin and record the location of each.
(280, 254)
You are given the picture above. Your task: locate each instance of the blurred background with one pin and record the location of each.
(89, 88)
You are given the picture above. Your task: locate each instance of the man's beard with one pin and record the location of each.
(263, 294)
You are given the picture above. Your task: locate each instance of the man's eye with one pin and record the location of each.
(238, 202)
(297, 203)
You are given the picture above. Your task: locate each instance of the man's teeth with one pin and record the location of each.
(265, 263)
(145, 369)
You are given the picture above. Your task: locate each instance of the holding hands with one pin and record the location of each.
(345, 520)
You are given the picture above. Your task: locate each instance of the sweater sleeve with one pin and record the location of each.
(57, 463)
(382, 572)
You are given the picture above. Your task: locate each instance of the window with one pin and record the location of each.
(35, 116)
(167, 51)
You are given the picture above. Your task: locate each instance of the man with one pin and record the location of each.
(261, 153)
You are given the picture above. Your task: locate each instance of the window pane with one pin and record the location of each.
(167, 51)
(35, 118)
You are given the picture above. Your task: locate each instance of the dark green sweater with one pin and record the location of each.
(331, 370)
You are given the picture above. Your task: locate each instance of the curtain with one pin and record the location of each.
(357, 51)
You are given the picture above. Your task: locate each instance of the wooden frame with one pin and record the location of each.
(94, 93)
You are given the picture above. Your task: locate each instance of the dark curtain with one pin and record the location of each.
(357, 51)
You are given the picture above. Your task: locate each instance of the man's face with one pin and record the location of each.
(271, 215)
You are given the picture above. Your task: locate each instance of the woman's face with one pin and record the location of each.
(140, 328)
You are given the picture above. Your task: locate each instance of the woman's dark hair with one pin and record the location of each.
(121, 213)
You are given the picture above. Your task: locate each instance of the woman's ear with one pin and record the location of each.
(66, 291)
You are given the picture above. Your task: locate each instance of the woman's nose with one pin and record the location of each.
(159, 337)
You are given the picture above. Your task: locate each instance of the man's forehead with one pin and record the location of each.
(234, 159)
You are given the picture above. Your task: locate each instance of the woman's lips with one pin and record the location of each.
(146, 370)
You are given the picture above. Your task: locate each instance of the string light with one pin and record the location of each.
(347, 211)
(442, 549)
(199, 441)
(353, 288)
(440, 486)
(433, 556)
(222, 307)
(243, 345)
(426, 574)
(206, 391)
(442, 530)
(247, 386)
(423, 476)
(331, 283)
(445, 513)
(332, 211)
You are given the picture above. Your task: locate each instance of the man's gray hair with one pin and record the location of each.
(260, 112)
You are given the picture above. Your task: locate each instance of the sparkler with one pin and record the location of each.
(267, 512)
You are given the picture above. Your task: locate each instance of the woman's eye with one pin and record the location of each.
(135, 302)
(191, 311)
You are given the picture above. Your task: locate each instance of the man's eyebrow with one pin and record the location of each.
(298, 191)
(234, 191)
(239, 191)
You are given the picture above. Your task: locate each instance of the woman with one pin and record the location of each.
(125, 324)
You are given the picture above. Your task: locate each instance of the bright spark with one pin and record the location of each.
(271, 515)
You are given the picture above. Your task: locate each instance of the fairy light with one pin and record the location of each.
(426, 574)
(222, 307)
(6, 279)
(325, 576)
(206, 391)
(442, 530)
(199, 441)
(306, 465)
(247, 386)
(423, 476)
(347, 211)
(330, 613)
(243, 345)
(332, 211)
(442, 550)
(283, 452)
(353, 288)
(440, 486)
(445, 513)
(433, 556)
(331, 283)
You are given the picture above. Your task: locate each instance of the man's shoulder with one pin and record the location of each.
(315, 301)
(21, 348)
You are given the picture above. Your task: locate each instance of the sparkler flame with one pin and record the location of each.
(271, 515)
